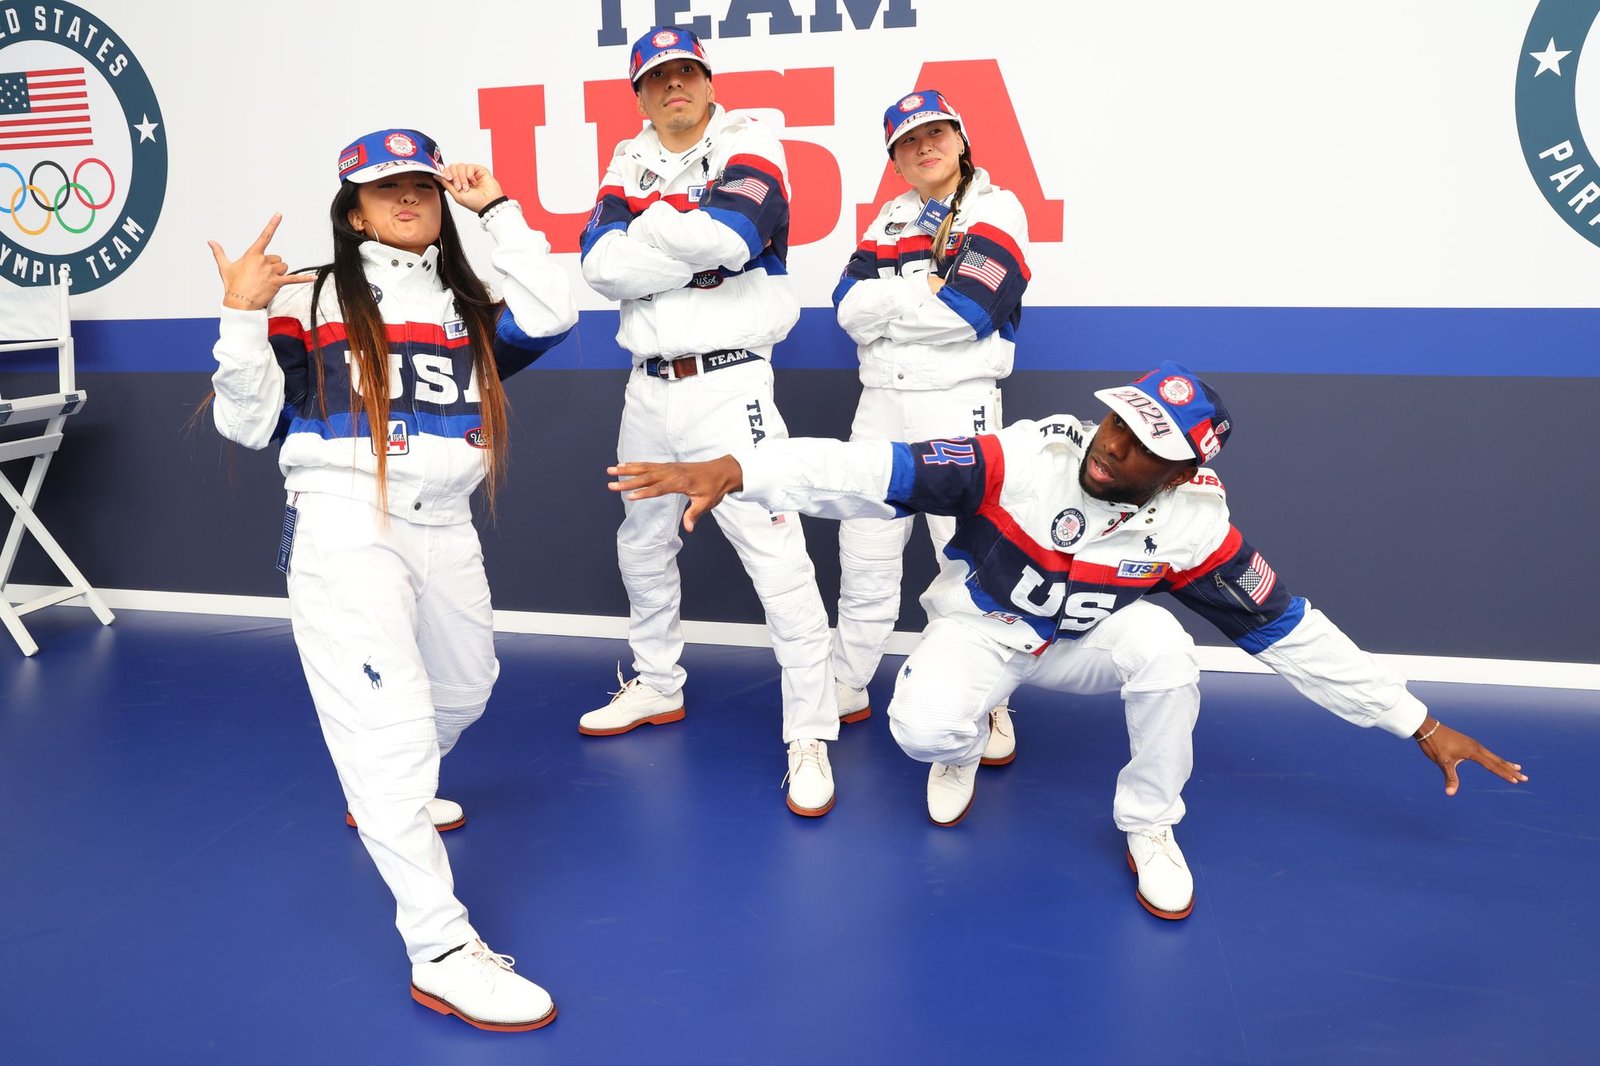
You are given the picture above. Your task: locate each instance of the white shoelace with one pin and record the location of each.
(995, 718)
(488, 955)
(808, 753)
(623, 686)
(1164, 843)
(953, 771)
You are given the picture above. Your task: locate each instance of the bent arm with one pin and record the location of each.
(249, 382)
(539, 308)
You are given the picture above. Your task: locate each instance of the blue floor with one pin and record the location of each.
(180, 887)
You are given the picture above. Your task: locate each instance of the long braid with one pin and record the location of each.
(943, 234)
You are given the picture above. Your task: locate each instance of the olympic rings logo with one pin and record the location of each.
(52, 205)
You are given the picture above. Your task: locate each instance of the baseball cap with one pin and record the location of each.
(663, 43)
(917, 109)
(1175, 414)
(389, 152)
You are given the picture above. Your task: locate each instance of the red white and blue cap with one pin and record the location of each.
(389, 152)
(662, 44)
(1175, 414)
(917, 109)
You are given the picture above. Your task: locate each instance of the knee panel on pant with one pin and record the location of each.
(450, 722)
(644, 573)
(796, 618)
(928, 741)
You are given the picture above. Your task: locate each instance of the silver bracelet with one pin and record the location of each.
(1431, 732)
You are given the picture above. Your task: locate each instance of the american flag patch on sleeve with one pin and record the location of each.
(752, 189)
(980, 268)
(1258, 579)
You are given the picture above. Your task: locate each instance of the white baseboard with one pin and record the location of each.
(1225, 659)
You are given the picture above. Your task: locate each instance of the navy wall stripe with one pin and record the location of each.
(1445, 342)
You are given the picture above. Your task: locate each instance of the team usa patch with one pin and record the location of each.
(1067, 529)
(1142, 570)
(455, 329)
(647, 179)
(664, 38)
(1176, 390)
(477, 437)
(354, 159)
(400, 144)
(396, 442)
(911, 103)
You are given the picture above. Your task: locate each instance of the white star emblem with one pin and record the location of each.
(147, 129)
(1550, 59)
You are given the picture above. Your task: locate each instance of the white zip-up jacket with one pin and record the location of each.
(909, 337)
(1034, 559)
(694, 244)
(266, 387)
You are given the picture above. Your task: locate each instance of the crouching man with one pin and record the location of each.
(1062, 528)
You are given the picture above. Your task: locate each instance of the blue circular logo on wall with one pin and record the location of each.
(1547, 112)
(83, 152)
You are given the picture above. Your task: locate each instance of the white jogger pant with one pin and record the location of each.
(871, 549)
(704, 417)
(396, 634)
(952, 679)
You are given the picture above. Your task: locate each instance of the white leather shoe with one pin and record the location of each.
(479, 987)
(1166, 888)
(810, 779)
(950, 789)
(1002, 745)
(633, 705)
(853, 704)
(445, 815)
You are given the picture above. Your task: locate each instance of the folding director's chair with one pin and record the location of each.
(37, 319)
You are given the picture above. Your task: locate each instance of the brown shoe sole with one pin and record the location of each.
(350, 820)
(655, 719)
(1007, 761)
(856, 716)
(434, 1003)
(1171, 916)
(810, 812)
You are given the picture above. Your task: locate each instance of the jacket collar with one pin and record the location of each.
(648, 152)
(380, 260)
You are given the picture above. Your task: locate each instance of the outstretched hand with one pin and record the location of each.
(471, 185)
(251, 281)
(1449, 749)
(704, 483)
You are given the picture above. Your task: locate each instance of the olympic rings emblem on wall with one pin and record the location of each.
(52, 204)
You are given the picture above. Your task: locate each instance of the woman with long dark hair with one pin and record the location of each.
(380, 374)
(932, 298)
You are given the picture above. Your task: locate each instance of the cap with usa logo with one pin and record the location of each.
(662, 44)
(1175, 414)
(389, 152)
(915, 109)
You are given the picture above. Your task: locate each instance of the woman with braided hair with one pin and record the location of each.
(932, 299)
(380, 375)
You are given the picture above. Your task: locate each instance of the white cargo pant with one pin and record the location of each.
(956, 674)
(396, 635)
(689, 420)
(871, 549)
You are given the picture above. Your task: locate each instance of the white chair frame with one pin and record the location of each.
(53, 410)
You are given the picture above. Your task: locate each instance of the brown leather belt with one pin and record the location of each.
(688, 366)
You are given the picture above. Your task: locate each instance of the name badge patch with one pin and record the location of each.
(932, 217)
